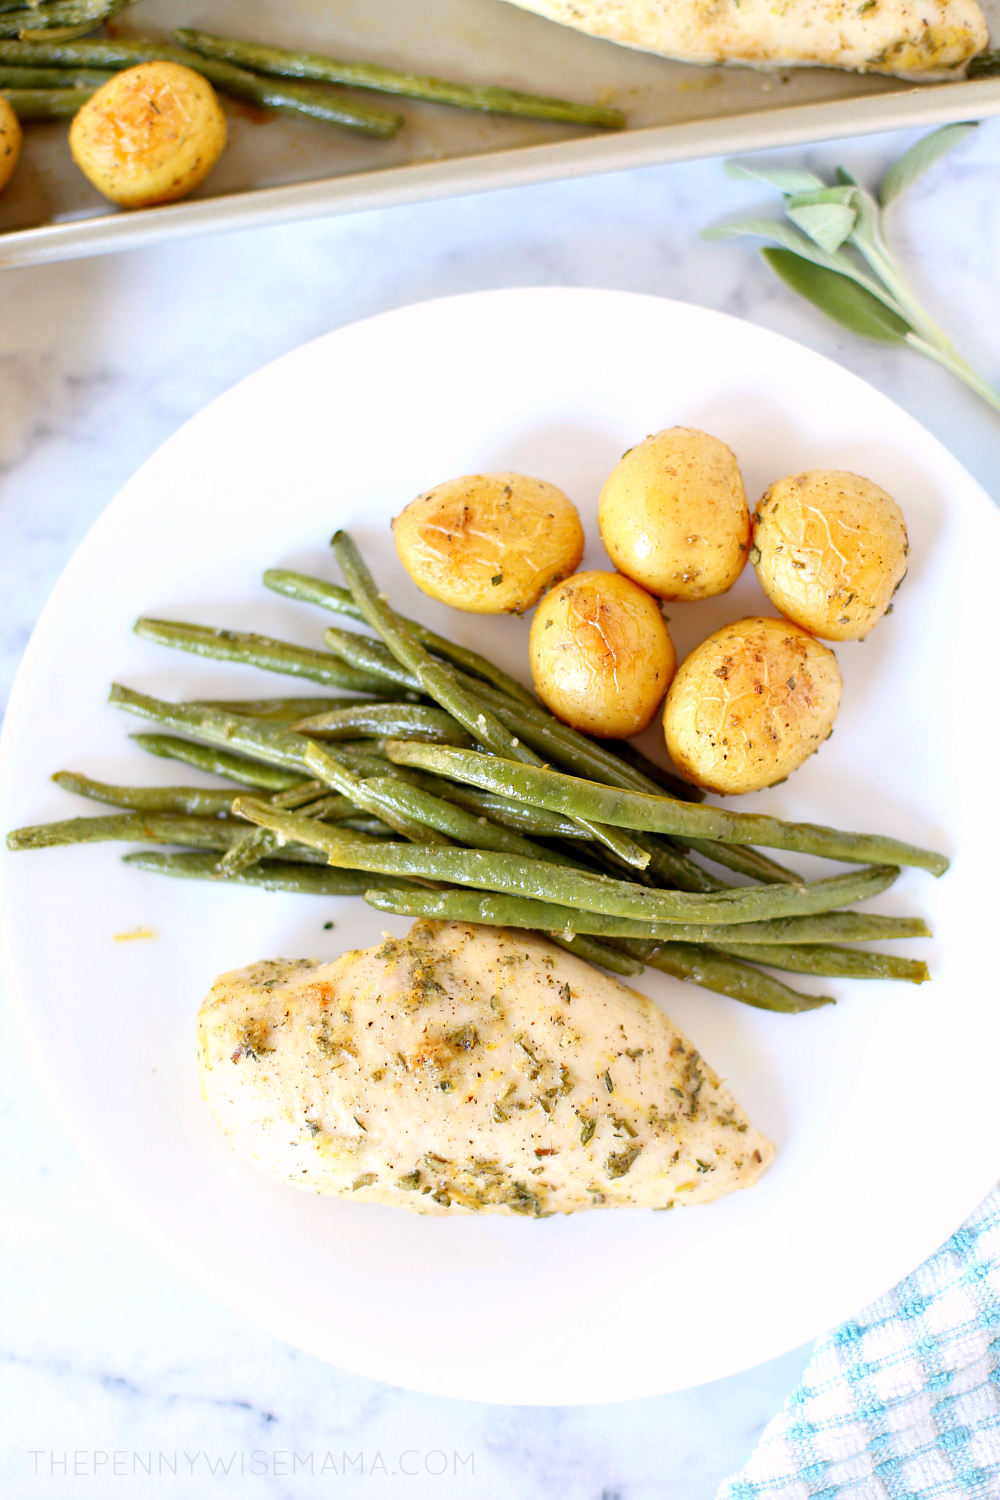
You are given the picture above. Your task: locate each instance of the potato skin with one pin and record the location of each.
(830, 551)
(601, 655)
(489, 543)
(673, 515)
(10, 141)
(750, 704)
(149, 135)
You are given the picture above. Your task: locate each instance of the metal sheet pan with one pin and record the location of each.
(277, 169)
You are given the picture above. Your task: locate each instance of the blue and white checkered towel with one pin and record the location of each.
(903, 1402)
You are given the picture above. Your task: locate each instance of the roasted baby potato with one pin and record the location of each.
(601, 656)
(489, 543)
(750, 704)
(830, 551)
(149, 135)
(673, 515)
(10, 141)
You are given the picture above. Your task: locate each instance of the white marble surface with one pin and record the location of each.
(110, 1352)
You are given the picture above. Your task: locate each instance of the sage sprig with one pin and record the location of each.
(832, 249)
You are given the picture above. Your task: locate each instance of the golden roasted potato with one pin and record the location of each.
(149, 135)
(673, 515)
(489, 543)
(601, 655)
(830, 551)
(10, 141)
(750, 704)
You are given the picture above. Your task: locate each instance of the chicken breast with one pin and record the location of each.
(467, 1069)
(919, 39)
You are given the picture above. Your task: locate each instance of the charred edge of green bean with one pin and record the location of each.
(260, 651)
(271, 875)
(522, 911)
(217, 762)
(418, 720)
(340, 601)
(577, 888)
(829, 960)
(483, 97)
(571, 796)
(317, 101)
(440, 684)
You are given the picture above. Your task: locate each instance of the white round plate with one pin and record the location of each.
(882, 1107)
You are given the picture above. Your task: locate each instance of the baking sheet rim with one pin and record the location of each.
(514, 167)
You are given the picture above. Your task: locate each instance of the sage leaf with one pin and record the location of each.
(829, 224)
(929, 149)
(791, 239)
(785, 179)
(840, 298)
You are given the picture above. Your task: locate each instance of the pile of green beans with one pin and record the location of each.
(442, 789)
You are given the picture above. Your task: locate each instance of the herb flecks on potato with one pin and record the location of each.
(673, 515)
(601, 655)
(750, 704)
(149, 135)
(489, 543)
(830, 551)
(10, 141)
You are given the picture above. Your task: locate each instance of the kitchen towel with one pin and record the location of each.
(903, 1401)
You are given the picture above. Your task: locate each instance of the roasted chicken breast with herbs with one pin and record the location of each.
(919, 39)
(464, 1069)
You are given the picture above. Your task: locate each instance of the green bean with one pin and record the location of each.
(463, 827)
(341, 601)
(259, 843)
(63, 18)
(828, 959)
(704, 966)
(219, 762)
(576, 888)
(259, 651)
(520, 911)
(742, 860)
(439, 683)
(419, 722)
(154, 828)
(272, 875)
(318, 103)
(267, 742)
(597, 953)
(571, 796)
(154, 799)
(728, 976)
(51, 78)
(274, 745)
(33, 105)
(534, 822)
(275, 710)
(412, 85)
(366, 655)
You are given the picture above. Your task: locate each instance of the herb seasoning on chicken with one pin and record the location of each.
(464, 1069)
